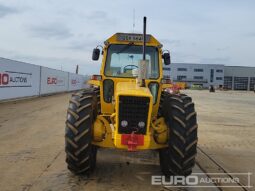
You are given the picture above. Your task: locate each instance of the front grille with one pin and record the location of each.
(133, 110)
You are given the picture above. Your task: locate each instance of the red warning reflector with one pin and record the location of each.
(132, 141)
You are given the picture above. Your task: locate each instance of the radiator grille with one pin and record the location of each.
(133, 110)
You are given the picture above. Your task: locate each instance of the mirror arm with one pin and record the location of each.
(100, 46)
(165, 51)
(102, 52)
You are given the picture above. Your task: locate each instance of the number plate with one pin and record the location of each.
(132, 37)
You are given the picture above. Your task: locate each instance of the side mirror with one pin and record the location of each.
(167, 59)
(96, 54)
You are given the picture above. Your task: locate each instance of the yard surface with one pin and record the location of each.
(227, 129)
(32, 153)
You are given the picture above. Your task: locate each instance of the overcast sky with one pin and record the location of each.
(62, 33)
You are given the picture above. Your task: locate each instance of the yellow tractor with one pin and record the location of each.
(128, 108)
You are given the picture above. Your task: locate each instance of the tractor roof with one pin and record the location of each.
(137, 39)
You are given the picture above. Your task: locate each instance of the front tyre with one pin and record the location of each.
(179, 113)
(80, 153)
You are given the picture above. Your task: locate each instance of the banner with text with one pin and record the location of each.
(18, 79)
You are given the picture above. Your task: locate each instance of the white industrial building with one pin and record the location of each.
(239, 77)
(198, 74)
(218, 75)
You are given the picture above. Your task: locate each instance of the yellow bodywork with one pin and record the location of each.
(132, 89)
(105, 130)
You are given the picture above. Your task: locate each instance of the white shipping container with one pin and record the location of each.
(18, 79)
(53, 81)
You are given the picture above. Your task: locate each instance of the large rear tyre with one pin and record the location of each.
(179, 113)
(81, 113)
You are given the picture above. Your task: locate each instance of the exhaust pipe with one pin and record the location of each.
(144, 37)
(143, 63)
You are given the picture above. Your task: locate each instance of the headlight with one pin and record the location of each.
(124, 123)
(141, 124)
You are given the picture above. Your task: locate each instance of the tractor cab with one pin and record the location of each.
(122, 55)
